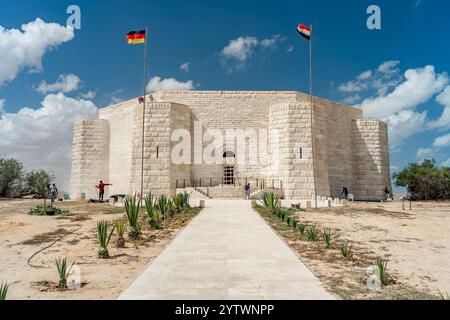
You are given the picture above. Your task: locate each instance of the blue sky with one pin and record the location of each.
(414, 34)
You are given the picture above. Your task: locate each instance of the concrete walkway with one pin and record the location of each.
(227, 252)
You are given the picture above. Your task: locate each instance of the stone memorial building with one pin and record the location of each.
(271, 147)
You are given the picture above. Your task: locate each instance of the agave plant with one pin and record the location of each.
(119, 225)
(153, 215)
(3, 291)
(178, 202)
(186, 196)
(163, 205)
(132, 206)
(103, 239)
(270, 200)
(312, 234)
(61, 265)
(301, 228)
(346, 251)
(382, 267)
(326, 236)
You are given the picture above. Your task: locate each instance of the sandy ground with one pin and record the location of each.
(21, 235)
(415, 243)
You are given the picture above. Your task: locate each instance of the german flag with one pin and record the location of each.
(136, 37)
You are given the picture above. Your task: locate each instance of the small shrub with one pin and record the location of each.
(103, 239)
(178, 202)
(163, 206)
(346, 251)
(288, 221)
(270, 200)
(61, 265)
(3, 291)
(132, 206)
(119, 225)
(326, 236)
(301, 228)
(45, 211)
(312, 234)
(294, 223)
(382, 267)
(153, 215)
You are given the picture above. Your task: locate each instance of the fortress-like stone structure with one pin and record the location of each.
(348, 151)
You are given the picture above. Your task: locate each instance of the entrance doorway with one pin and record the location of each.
(228, 175)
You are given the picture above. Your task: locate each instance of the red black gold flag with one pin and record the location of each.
(136, 37)
(304, 31)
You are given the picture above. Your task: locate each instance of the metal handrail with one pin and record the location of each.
(257, 183)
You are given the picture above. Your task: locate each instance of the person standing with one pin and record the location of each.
(345, 192)
(101, 190)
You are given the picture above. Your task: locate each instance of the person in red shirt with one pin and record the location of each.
(101, 190)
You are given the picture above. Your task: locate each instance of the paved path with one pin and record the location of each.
(227, 252)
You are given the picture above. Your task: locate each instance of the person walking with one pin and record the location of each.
(53, 193)
(101, 190)
(248, 191)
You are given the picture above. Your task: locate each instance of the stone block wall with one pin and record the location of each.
(370, 159)
(293, 123)
(160, 173)
(90, 157)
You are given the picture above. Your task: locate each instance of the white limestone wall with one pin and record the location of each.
(370, 159)
(231, 110)
(90, 153)
(121, 119)
(160, 173)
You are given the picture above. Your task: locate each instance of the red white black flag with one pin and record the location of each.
(304, 31)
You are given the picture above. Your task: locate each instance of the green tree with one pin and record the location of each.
(37, 182)
(11, 177)
(425, 181)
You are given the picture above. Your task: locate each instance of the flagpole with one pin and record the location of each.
(143, 114)
(311, 102)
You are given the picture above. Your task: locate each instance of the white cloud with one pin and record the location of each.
(425, 153)
(238, 51)
(446, 163)
(185, 67)
(419, 86)
(389, 66)
(350, 100)
(290, 49)
(88, 95)
(444, 121)
(442, 142)
(25, 48)
(42, 138)
(65, 83)
(405, 124)
(170, 84)
(2, 105)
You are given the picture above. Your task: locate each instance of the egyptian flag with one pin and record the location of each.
(136, 37)
(304, 31)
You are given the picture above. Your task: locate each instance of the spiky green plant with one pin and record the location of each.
(178, 202)
(294, 223)
(346, 251)
(270, 200)
(153, 215)
(3, 291)
(186, 197)
(381, 269)
(132, 206)
(443, 296)
(163, 205)
(119, 225)
(312, 234)
(301, 228)
(103, 238)
(326, 236)
(63, 272)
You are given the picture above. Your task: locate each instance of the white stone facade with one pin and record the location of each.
(349, 151)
